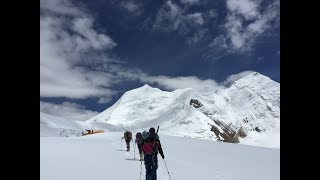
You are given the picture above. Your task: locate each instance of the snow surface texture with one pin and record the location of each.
(98, 156)
(246, 112)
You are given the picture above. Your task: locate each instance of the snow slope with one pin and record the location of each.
(248, 112)
(98, 156)
(54, 126)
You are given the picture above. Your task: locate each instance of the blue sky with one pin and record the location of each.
(91, 52)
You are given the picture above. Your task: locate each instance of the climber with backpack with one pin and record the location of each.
(150, 147)
(139, 141)
(128, 137)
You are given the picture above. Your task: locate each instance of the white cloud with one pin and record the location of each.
(63, 7)
(196, 37)
(219, 42)
(173, 83)
(67, 110)
(234, 28)
(212, 13)
(235, 77)
(104, 100)
(130, 6)
(258, 26)
(69, 42)
(174, 10)
(245, 8)
(247, 20)
(190, 1)
(88, 38)
(196, 18)
(171, 17)
(133, 7)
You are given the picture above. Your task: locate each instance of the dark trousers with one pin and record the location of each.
(139, 147)
(151, 163)
(128, 144)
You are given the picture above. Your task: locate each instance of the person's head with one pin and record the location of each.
(145, 134)
(152, 130)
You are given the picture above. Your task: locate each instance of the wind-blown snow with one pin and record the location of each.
(98, 156)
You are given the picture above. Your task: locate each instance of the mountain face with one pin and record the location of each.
(54, 126)
(246, 112)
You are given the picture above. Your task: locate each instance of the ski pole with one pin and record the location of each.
(134, 150)
(167, 168)
(140, 169)
(121, 144)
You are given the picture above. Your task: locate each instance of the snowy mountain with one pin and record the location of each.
(54, 126)
(246, 112)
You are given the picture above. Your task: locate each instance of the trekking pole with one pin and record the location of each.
(134, 149)
(167, 168)
(140, 169)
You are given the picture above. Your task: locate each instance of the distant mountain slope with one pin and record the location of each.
(55, 126)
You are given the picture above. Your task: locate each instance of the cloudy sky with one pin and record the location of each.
(91, 52)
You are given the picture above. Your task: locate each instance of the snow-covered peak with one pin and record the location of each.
(143, 89)
(255, 80)
(249, 108)
(261, 85)
(246, 112)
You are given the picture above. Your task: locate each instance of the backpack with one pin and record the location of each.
(128, 135)
(150, 145)
(138, 137)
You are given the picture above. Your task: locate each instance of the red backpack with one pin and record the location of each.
(150, 145)
(148, 148)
